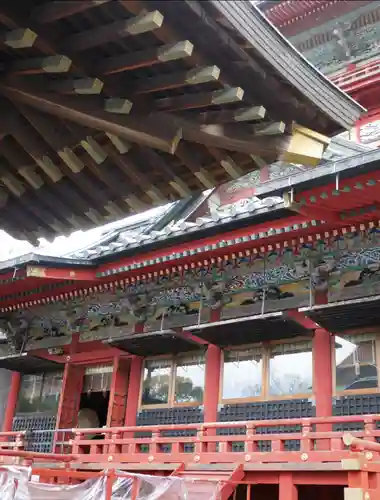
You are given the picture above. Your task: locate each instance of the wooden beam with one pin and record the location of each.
(46, 196)
(306, 147)
(233, 170)
(246, 114)
(60, 274)
(152, 131)
(81, 86)
(271, 128)
(127, 164)
(28, 205)
(121, 145)
(93, 148)
(55, 135)
(235, 138)
(188, 157)
(150, 157)
(113, 32)
(23, 163)
(201, 100)
(118, 105)
(312, 212)
(38, 65)
(55, 10)
(20, 38)
(196, 76)
(145, 58)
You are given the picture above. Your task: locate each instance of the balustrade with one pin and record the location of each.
(352, 79)
(294, 440)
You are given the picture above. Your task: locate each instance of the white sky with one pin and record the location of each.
(62, 245)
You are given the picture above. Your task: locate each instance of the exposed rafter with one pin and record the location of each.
(112, 107)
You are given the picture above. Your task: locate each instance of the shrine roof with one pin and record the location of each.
(346, 168)
(178, 223)
(111, 107)
(341, 316)
(124, 241)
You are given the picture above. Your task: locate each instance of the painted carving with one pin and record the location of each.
(343, 266)
(16, 329)
(357, 43)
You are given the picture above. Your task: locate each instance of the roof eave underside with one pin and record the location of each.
(51, 183)
(272, 46)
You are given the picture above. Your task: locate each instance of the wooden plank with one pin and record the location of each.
(201, 100)
(152, 131)
(145, 58)
(196, 76)
(55, 10)
(113, 32)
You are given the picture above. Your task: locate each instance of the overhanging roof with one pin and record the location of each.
(345, 315)
(154, 343)
(25, 363)
(240, 331)
(347, 168)
(81, 143)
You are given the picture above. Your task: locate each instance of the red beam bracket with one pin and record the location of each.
(61, 273)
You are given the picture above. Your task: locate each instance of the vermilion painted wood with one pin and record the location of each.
(129, 449)
(12, 401)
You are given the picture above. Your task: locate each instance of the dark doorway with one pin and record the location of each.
(98, 402)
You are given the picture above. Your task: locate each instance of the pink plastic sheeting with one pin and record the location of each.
(15, 484)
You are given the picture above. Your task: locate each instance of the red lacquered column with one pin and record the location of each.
(12, 402)
(323, 376)
(133, 393)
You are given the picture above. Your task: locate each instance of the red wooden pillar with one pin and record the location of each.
(323, 375)
(323, 382)
(287, 488)
(69, 402)
(134, 385)
(12, 402)
(133, 395)
(212, 383)
(118, 392)
(212, 377)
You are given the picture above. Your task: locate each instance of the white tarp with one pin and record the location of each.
(18, 484)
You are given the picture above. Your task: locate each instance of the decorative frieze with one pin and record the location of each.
(261, 282)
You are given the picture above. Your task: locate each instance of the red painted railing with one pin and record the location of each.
(296, 440)
(359, 77)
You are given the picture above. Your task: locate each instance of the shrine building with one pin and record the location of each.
(231, 335)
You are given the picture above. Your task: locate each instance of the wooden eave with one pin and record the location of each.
(295, 17)
(111, 107)
(144, 267)
(353, 168)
